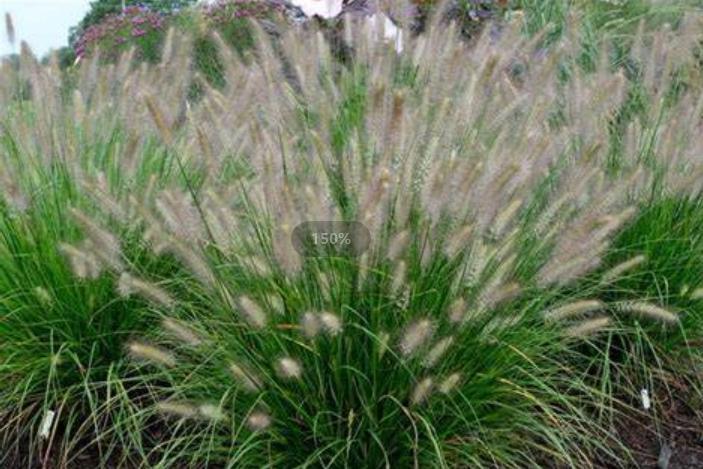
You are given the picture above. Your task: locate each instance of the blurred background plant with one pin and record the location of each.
(134, 26)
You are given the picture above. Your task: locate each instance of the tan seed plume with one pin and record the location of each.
(416, 336)
(259, 421)
(129, 285)
(178, 409)
(151, 353)
(647, 310)
(570, 310)
(450, 383)
(422, 391)
(588, 327)
(182, 332)
(622, 268)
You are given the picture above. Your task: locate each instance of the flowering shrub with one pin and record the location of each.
(145, 29)
(135, 26)
(470, 15)
(222, 12)
(230, 18)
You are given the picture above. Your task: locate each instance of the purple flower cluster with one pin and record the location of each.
(116, 30)
(224, 11)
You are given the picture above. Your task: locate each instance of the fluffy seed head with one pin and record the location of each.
(129, 285)
(458, 241)
(331, 323)
(437, 352)
(449, 383)
(648, 310)
(289, 368)
(252, 312)
(276, 303)
(159, 120)
(697, 294)
(258, 421)
(588, 327)
(422, 391)
(106, 245)
(182, 332)
(384, 339)
(259, 266)
(416, 336)
(623, 267)
(84, 264)
(457, 310)
(195, 262)
(152, 354)
(178, 409)
(211, 412)
(497, 294)
(43, 295)
(399, 276)
(570, 310)
(505, 217)
(397, 245)
(310, 324)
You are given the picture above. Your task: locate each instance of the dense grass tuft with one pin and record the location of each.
(524, 268)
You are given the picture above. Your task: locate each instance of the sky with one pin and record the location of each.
(43, 24)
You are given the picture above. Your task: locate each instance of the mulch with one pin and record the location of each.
(672, 440)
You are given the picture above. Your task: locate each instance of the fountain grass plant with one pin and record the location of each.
(152, 296)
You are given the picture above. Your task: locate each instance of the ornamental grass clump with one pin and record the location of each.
(483, 175)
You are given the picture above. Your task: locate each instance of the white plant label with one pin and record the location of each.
(646, 401)
(46, 422)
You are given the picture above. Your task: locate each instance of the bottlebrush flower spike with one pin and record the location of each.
(576, 308)
(422, 391)
(259, 421)
(457, 310)
(129, 285)
(397, 245)
(588, 327)
(84, 263)
(647, 310)
(437, 351)
(331, 323)
(183, 410)
(289, 368)
(626, 266)
(106, 245)
(252, 312)
(416, 336)
(211, 412)
(399, 277)
(152, 354)
(182, 332)
(310, 324)
(449, 383)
